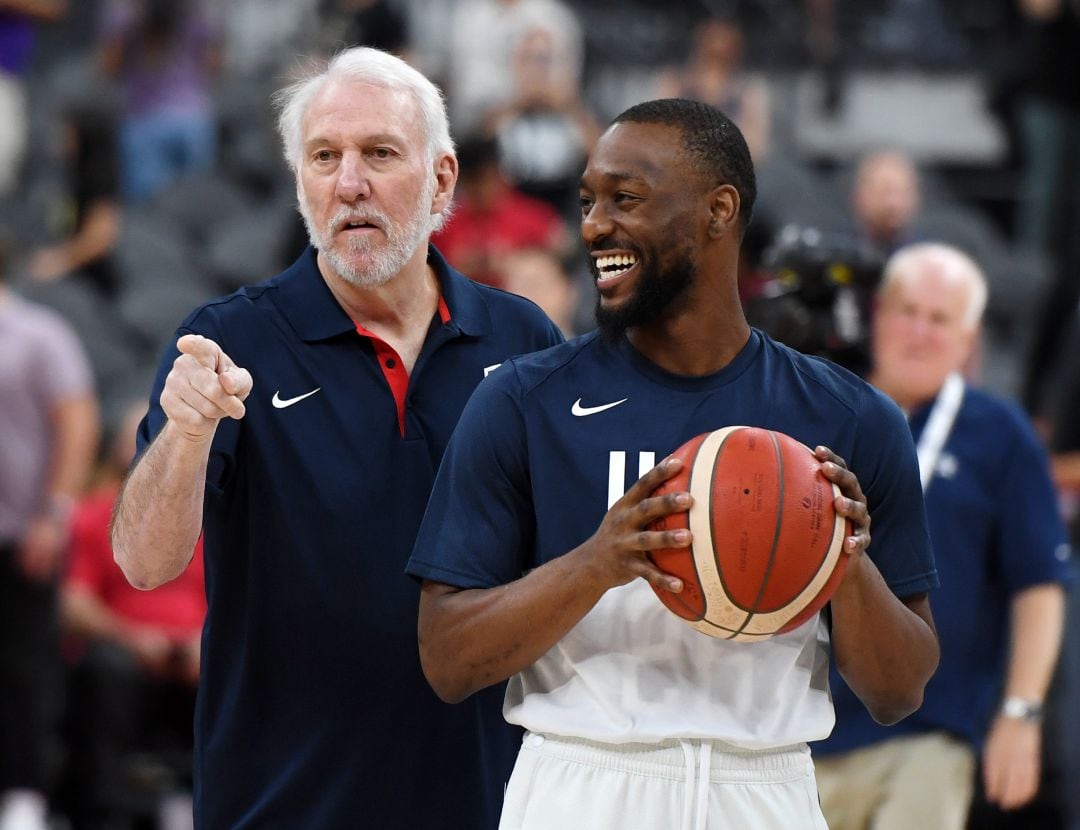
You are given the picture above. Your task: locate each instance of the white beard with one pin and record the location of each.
(380, 262)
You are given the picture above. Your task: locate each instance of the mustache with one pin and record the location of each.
(611, 245)
(346, 215)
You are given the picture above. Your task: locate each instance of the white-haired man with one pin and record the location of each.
(299, 423)
(1001, 555)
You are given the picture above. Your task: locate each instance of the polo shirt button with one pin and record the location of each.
(534, 741)
(390, 363)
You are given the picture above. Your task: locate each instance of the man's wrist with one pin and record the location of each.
(1022, 708)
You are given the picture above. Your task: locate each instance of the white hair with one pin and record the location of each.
(371, 66)
(954, 262)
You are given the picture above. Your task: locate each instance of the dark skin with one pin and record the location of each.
(641, 197)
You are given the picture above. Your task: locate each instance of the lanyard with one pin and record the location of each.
(938, 426)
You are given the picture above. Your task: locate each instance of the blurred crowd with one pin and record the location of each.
(140, 175)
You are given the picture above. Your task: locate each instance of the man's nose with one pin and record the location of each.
(595, 224)
(353, 183)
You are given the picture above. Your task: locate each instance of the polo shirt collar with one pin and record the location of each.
(315, 314)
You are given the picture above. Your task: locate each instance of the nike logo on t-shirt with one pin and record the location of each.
(279, 403)
(581, 411)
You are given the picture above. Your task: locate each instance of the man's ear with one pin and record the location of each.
(723, 209)
(446, 175)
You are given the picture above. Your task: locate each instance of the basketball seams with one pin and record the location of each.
(717, 599)
(720, 616)
(777, 527)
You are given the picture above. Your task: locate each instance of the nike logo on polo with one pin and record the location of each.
(280, 403)
(582, 411)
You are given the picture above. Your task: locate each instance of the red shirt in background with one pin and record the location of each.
(473, 240)
(178, 607)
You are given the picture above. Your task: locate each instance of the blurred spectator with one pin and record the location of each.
(486, 34)
(88, 221)
(713, 73)
(165, 54)
(1049, 219)
(1002, 557)
(376, 23)
(491, 218)
(1065, 439)
(885, 200)
(17, 21)
(261, 38)
(539, 276)
(48, 436)
(134, 683)
(545, 130)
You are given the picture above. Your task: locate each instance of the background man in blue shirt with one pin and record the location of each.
(300, 423)
(1002, 558)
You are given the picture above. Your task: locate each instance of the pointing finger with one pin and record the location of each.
(203, 349)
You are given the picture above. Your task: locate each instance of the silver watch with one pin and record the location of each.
(1022, 709)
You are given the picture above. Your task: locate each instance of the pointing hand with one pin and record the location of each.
(203, 387)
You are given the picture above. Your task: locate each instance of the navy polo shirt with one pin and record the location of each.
(996, 530)
(313, 711)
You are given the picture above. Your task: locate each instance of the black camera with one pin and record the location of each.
(819, 295)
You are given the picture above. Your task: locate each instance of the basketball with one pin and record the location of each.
(766, 554)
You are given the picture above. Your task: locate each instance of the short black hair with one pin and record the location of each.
(713, 142)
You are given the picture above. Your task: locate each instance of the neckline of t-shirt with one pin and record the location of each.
(690, 383)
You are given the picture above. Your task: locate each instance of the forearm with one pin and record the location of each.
(47, 10)
(86, 615)
(96, 238)
(77, 427)
(885, 650)
(470, 639)
(158, 514)
(1066, 470)
(1038, 619)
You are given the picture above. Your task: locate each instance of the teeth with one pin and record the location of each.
(616, 264)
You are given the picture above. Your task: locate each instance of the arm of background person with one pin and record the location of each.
(46, 10)
(1040, 9)
(159, 512)
(84, 613)
(96, 237)
(1066, 470)
(1013, 749)
(76, 429)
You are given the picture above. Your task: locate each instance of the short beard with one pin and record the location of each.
(383, 261)
(656, 293)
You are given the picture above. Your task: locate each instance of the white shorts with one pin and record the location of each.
(573, 784)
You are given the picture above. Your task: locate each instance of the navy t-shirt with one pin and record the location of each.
(550, 440)
(313, 711)
(996, 530)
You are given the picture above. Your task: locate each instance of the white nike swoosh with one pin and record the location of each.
(281, 404)
(581, 411)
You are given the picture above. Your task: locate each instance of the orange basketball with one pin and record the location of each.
(767, 543)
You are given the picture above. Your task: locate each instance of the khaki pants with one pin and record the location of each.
(918, 782)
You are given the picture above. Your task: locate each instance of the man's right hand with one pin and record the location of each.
(620, 547)
(203, 387)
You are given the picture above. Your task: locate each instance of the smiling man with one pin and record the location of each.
(534, 546)
(299, 423)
